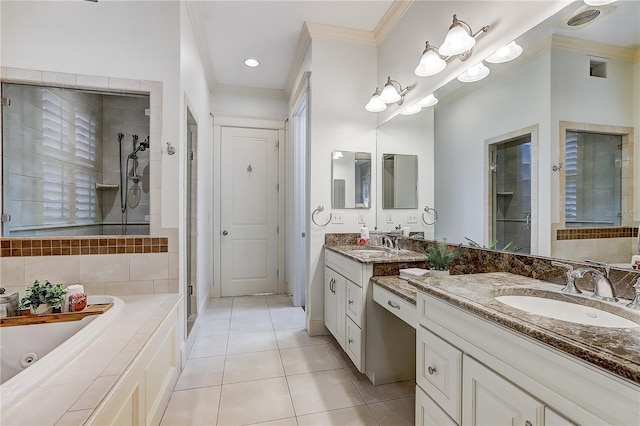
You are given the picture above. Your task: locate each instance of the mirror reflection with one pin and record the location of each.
(350, 180)
(399, 181)
(586, 76)
(74, 162)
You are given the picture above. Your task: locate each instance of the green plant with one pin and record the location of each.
(37, 294)
(440, 257)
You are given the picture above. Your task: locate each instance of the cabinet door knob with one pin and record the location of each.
(432, 371)
(350, 340)
(351, 302)
(393, 305)
(225, 233)
(528, 423)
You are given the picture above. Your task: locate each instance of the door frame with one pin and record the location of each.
(269, 123)
(488, 194)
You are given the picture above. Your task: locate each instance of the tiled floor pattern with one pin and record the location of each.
(253, 363)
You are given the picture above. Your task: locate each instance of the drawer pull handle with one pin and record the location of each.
(350, 341)
(432, 371)
(528, 423)
(393, 305)
(351, 302)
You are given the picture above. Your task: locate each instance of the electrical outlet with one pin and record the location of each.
(412, 218)
(361, 217)
(336, 217)
(389, 217)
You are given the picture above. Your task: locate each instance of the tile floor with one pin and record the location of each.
(253, 363)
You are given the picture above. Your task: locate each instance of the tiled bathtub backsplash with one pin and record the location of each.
(16, 247)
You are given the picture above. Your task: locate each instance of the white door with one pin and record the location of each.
(249, 211)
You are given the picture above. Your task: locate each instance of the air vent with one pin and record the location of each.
(583, 18)
(584, 15)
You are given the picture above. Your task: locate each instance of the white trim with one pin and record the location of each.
(594, 48)
(303, 45)
(330, 32)
(303, 88)
(229, 120)
(315, 327)
(388, 22)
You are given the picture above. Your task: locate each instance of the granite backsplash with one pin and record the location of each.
(476, 260)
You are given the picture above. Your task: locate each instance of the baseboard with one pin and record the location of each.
(315, 327)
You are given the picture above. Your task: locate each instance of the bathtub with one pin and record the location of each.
(30, 354)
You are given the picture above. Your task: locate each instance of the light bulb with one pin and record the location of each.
(251, 62)
(598, 2)
(428, 101)
(375, 104)
(430, 64)
(413, 109)
(457, 41)
(505, 54)
(389, 94)
(475, 73)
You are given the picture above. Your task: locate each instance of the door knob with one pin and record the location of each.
(225, 233)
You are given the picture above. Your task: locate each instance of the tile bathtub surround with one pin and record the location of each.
(16, 247)
(593, 233)
(475, 260)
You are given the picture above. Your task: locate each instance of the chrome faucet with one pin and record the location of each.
(635, 304)
(571, 281)
(603, 289)
(391, 242)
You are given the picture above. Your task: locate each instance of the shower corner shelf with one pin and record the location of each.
(107, 187)
(505, 194)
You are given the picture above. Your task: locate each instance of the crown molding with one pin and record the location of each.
(304, 40)
(594, 48)
(396, 11)
(249, 91)
(330, 32)
(199, 33)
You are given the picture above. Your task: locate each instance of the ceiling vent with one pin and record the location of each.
(584, 16)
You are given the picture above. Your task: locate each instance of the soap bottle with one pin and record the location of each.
(364, 235)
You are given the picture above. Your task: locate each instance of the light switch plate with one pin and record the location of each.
(412, 218)
(361, 217)
(336, 217)
(389, 217)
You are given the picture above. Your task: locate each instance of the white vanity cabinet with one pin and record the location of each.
(345, 293)
(472, 371)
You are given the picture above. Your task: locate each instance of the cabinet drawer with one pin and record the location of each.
(346, 267)
(428, 413)
(396, 305)
(439, 371)
(354, 303)
(353, 343)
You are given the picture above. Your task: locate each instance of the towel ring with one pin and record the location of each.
(320, 209)
(427, 210)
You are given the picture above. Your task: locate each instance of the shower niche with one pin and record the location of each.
(75, 162)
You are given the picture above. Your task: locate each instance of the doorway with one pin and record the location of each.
(300, 143)
(511, 209)
(249, 211)
(192, 222)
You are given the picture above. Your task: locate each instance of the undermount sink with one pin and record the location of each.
(566, 311)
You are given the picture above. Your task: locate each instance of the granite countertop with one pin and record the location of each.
(616, 350)
(368, 254)
(401, 288)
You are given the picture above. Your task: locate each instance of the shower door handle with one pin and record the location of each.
(225, 233)
(528, 223)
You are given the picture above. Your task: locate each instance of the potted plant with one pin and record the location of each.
(440, 257)
(42, 299)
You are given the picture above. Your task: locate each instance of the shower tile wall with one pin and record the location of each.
(52, 152)
(513, 195)
(126, 115)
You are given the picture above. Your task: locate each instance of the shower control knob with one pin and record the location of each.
(225, 233)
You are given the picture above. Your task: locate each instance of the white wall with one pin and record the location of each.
(132, 40)
(515, 100)
(338, 123)
(248, 105)
(196, 97)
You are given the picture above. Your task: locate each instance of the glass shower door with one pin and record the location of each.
(511, 191)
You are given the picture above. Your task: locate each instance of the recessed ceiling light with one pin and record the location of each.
(251, 62)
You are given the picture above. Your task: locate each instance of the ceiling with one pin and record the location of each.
(231, 31)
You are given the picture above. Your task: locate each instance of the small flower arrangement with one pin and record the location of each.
(43, 294)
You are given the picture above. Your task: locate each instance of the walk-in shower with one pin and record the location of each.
(66, 170)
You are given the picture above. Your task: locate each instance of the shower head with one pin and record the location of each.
(120, 137)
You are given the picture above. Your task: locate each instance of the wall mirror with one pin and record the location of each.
(350, 180)
(75, 162)
(554, 80)
(399, 181)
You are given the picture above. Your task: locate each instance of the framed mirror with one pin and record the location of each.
(350, 180)
(399, 181)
